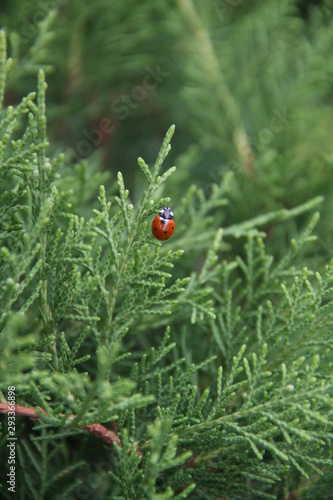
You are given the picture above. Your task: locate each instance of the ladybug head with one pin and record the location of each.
(166, 213)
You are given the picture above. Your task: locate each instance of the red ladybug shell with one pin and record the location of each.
(163, 225)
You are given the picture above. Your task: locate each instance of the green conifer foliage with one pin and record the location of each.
(200, 367)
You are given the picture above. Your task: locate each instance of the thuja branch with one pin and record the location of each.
(133, 221)
(42, 143)
(243, 228)
(3, 63)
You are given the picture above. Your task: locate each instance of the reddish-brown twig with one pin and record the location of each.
(97, 430)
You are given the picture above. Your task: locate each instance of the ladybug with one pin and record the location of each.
(163, 225)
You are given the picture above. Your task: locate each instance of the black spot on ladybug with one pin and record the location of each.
(165, 232)
(155, 228)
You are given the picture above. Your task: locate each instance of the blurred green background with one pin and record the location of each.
(247, 83)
